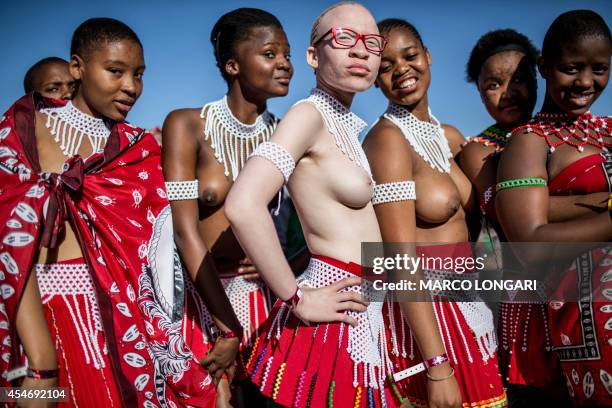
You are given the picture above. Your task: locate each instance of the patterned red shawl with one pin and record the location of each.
(116, 203)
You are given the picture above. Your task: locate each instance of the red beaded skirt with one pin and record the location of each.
(323, 365)
(71, 310)
(475, 363)
(526, 356)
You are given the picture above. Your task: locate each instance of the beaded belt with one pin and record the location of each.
(64, 279)
(367, 341)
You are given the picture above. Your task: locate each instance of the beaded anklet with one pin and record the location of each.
(521, 182)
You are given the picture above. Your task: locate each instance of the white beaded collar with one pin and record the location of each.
(69, 125)
(234, 141)
(426, 138)
(343, 124)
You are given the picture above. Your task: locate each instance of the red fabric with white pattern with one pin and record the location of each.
(114, 200)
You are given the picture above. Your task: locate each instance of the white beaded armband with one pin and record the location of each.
(397, 191)
(182, 190)
(278, 155)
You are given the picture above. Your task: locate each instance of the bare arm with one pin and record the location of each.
(179, 161)
(246, 208)
(565, 208)
(390, 159)
(480, 166)
(36, 339)
(523, 211)
(32, 328)
(456, 141)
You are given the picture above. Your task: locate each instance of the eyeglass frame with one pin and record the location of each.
(360, 36)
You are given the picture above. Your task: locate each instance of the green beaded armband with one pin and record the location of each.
(521, 182)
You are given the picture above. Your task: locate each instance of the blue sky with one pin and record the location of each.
(181, 70)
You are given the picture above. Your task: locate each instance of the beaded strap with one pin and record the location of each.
(521, 182)
(486, 197)
(396, 191)
(42, 374)
(277, 155)
(182, 190)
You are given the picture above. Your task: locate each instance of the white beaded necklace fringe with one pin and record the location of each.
(231, 140)
(69, 125)
(343, 124)
(426, 138)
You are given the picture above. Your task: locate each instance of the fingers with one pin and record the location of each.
(219, 373)
(351, 306)
(342, 317)
(247, 269)
(251, 276)
(231, 373)
(345, 283)
(207, 360)
(352, 297)
(212, 368)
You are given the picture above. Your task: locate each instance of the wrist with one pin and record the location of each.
(226, 334)
(437, 360)
(229, 334)
(293, 301)
(39, 374)
(435, 377)
(440, 370)
(43, 362)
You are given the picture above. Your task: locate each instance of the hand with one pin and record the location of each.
(222, 357)
(327, 304)
(34, 384)
(445, 393)
(598, 202)
(247, 270)
(224, 394)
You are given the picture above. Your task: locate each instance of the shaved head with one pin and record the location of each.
(321, 24)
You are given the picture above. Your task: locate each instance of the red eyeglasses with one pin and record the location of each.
(348, 38)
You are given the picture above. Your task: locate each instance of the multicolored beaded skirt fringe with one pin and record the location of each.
(323, 365)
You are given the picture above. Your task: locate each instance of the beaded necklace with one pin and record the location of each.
(559, 128)
(426, 138)
(69, 125)
(343, 124)
(492, 136)
(233, 141)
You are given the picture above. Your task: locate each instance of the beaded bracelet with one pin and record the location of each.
(228, 334)
(431, 378)
(41, 374)
(295, 299)
(436, 360)
(610, 203)
(521, 182)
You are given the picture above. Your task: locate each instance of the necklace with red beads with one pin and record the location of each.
(559, 128)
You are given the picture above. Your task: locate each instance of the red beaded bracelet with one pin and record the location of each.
(41, 374)
(295, 299)
(436, 360)
(228, 334)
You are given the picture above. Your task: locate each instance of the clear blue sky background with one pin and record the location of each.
(180, 65)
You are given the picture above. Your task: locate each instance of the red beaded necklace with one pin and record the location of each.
(559, 128)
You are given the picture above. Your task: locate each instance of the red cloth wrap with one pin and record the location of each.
(113, 201)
